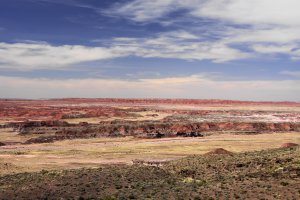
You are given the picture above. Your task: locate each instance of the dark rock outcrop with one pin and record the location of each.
(147, 129)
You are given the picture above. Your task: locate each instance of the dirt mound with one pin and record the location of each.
(289, 145)
(219, 151)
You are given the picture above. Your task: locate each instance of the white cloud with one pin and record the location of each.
(278, 35)
(295, 74)
(39, 55)
(290, 49)
(197, 86)
(276, 12)
(273, 12)
(179, 45)
(31, 55)
(259, 21)
(265, 26)
(273, 48)
(142, 11)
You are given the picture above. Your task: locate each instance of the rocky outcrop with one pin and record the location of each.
(219, 151)
(148, 129)
(289, 145)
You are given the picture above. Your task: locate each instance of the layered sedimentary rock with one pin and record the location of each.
(58, 130)
(47, 120)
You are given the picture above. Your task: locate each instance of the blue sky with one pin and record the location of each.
(225, 49)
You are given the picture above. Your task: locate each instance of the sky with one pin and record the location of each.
(194, 49)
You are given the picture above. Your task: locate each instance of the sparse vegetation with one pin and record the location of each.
(209, 177)
(195, 151)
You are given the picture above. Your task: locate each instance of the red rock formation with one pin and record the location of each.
(219, 151)
(146, 129)
(289, 145)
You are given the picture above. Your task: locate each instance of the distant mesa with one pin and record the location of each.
(219, 151)
(289, 145)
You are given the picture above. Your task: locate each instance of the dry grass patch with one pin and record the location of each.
(92, 152)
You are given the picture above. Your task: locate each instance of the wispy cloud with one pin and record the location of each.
(242, 29)
(258, 22)
(179, 45)
(293, 50)
(170, 87)
(295, 74)
(142, 11)
(238, 11)
(30, 55)
(40, 55)
(255, 12)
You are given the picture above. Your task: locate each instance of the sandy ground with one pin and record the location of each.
(92, 152)
(140, 116)
(233, 108)
(216, 107)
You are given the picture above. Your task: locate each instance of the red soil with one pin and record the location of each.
(289, 145)
(46, 117)
(219, 151)
(56, 109)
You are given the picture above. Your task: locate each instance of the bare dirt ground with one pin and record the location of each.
(107, 135)
(268, 174)
(104, 109)
(107, 150)
(92, 152)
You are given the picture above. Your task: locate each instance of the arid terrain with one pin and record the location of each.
(149, 149)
